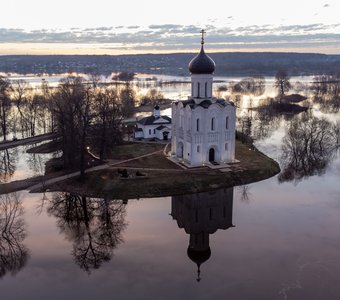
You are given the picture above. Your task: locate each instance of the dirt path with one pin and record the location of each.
(30, 140)
(108, 164)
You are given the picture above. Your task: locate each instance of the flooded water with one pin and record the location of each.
(275, 239)
(263, 241)
(17, 164)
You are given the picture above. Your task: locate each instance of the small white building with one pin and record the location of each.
(154, 126)
(203, 127)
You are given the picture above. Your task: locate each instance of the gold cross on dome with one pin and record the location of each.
(203, 32)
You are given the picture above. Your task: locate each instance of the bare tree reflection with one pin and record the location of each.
(93, 225)
(308, 148)
(336, 133)
(8, 159)
(326, 90)
(265, 123)
(13, 254)
(36, 163)
(244, 191)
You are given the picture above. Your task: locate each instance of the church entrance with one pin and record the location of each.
(165, 135)
(212, 155)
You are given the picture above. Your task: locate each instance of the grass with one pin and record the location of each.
(254, 166)
(131, 150)
(157, 161)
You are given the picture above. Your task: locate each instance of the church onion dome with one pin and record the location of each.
(202, 64)
(199, 257)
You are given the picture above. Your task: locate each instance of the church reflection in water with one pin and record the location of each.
(201, 215)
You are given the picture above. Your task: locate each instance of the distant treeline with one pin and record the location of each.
(227, 64)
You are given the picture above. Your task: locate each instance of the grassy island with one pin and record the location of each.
(153, 175)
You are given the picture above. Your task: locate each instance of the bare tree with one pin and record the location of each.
(336, 133)
(251, 85)
(124, 76)
(152, 97)
(5, 105)
(282, 82)
(47, 118)
(72, 108)
(107, 128)
(19, 95)
(128, 100)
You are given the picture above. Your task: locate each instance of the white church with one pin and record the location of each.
(154, 126)
(203, 127)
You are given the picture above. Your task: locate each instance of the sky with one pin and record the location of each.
(150, 26)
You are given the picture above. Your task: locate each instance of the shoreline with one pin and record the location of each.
(162, 177)
(148, 188)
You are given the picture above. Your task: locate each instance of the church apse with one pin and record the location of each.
(201, 215)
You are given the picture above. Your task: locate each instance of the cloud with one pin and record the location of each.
(175, 36)
(326, 5)
(165, 26)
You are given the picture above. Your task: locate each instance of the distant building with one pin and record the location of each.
(154, 126)
(203, 127)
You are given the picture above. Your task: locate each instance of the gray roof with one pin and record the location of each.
(151, 120)
(205, 103)
(161, 127)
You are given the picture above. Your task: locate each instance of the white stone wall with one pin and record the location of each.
(139, 134)
(201, 85)
(149, 131)
(195, 144)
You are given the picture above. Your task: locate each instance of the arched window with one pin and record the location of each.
(198, 90)
(212, 124)
(226, 147)
(197, 125)
(181, 121)
(226, 122)
(206, 89)
(198, 149)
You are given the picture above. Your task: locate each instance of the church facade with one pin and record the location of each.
(203, 127)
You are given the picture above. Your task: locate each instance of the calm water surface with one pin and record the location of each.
(285, 244)
(276, 239)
